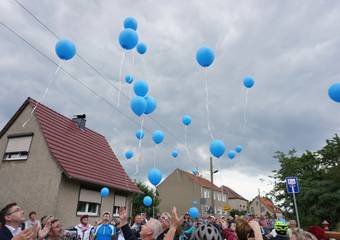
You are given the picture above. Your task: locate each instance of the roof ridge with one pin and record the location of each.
(33, 101)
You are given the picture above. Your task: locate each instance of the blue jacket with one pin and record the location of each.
(104, 232)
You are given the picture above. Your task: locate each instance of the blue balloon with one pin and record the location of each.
(195, 171)
(155, 176)
(130, 22)
(334, 92)
(140, 134)
(248, 82)
(141, 48)
(129, 79)
(151, 104)
(138, 105)
(128, 39)
(231, 154)
(205, 56)
(238, 149)
(158, 136)
(186, 120)
(65, 49)
(217, 148)
(104, 192)
(147, 200)
(128, 154)
(174, 153)
(193, 212)
(141, 88)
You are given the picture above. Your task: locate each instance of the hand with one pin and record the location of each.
(174, 218)
(122, 216)
(26, 234)
(254, 225)
(223, 224)
(42, 233)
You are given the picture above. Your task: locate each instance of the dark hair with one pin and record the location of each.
(31, 213)
(4, 212)
(84, 216)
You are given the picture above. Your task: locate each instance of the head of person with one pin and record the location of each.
(56, 229)
(12, 214)
(299, 234)
(292, 224)
(152, 229)
(84, 219)
(165, 220)
(243, 230)
(318, 232)
(106, 217)
(281, 227)
(206, 231)
(138, 219)
(186, 216)
(32, 216)
(211, 219)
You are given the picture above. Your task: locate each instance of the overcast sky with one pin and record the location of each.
(291, 48)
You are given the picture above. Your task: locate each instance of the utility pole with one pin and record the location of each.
(212, 190)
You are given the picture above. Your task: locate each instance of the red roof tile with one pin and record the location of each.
(83, 154)
(201, 181)
(270, 205)
(232, 194)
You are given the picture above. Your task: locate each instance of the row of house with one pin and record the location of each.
(184, 190)
(56, 166)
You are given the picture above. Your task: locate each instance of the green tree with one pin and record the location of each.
(319, 182)
(137, 201)
(234, 212)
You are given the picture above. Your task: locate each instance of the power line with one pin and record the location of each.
(89, 64)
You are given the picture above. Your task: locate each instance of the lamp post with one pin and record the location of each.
(212, 183)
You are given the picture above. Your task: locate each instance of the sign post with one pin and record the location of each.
(293, 187)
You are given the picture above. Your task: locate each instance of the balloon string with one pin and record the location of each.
(245, 110)
(154, 159)
(207, 105)
(139, 155)
(185, 141)
(133, 57)
(44, 94)
(120, 78)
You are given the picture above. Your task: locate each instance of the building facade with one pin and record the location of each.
(56, 166)
(235, 200)
(262, 206)
(185, 190)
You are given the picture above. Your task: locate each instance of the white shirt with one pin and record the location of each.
(14, 231)
(84, 232)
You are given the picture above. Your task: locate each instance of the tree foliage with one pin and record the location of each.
(137, 201)
(319, 182)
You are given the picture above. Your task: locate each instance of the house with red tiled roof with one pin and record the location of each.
(262, 206)
(56, 166)
(235, 200)
(184, 190)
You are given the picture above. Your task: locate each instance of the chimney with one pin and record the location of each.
(80, 120)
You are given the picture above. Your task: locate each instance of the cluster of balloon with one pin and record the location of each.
(155, 176)
(147, 201)
(334, 92)
(174, 153)
(193, 212)
(217, 148)
(104, 192)
(129, 154)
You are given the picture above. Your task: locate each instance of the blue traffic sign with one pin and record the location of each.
(292, 184)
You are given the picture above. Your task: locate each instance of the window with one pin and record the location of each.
(206, 194)
(120, 201)
(263, 209)
(219, 196)
(219, 211)
(224, 198)
(88, 202)
(18, 147)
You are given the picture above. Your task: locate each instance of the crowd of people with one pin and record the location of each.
(166, 226)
